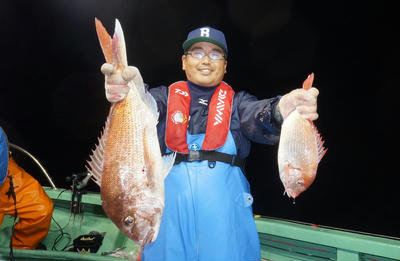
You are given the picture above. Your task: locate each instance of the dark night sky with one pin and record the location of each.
(52, 99)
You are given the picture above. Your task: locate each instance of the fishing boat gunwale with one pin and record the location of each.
(280, 239)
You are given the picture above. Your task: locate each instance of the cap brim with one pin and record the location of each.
(190, 42)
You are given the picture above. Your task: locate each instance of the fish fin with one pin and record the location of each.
(287, 179)
(168, 162)
(321, 150)
(307, 84)
(95, 164)
(105, 41)
(149, 100)
(151, 150)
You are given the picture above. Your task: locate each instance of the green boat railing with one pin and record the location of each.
(281, 240)
(65, 227)
(288, 240)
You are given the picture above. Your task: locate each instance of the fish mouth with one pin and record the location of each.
(291, 193)
(148, 237)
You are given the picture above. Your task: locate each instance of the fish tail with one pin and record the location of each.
(105, 41)
(114, 49)
(120, 46)
(307, 84)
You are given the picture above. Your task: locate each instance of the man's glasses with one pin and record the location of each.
(200, 55)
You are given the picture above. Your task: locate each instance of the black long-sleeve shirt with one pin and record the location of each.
(252, 120)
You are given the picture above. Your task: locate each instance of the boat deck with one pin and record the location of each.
(280, 240)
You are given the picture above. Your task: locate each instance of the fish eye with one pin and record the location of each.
(129, 221)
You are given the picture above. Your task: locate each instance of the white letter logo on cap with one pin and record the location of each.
(205, 32)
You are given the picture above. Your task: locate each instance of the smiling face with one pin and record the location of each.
(205, 71)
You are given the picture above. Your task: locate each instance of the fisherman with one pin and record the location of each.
(23, 197)
(208, 214)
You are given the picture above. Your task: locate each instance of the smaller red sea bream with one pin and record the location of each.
(300, 150)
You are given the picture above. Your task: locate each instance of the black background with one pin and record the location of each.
(52, 99)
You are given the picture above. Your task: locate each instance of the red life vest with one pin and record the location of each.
(219, 117)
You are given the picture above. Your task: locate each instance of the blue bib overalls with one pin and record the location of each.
(207, 213)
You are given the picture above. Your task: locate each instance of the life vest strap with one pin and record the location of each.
(210, 156)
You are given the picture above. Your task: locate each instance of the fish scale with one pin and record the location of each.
(124, 143)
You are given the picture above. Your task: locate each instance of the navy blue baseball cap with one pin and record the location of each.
(206, 34)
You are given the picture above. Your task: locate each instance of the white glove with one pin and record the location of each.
(305, 101)
(116, 83)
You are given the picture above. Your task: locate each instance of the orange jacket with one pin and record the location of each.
(33, 205)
